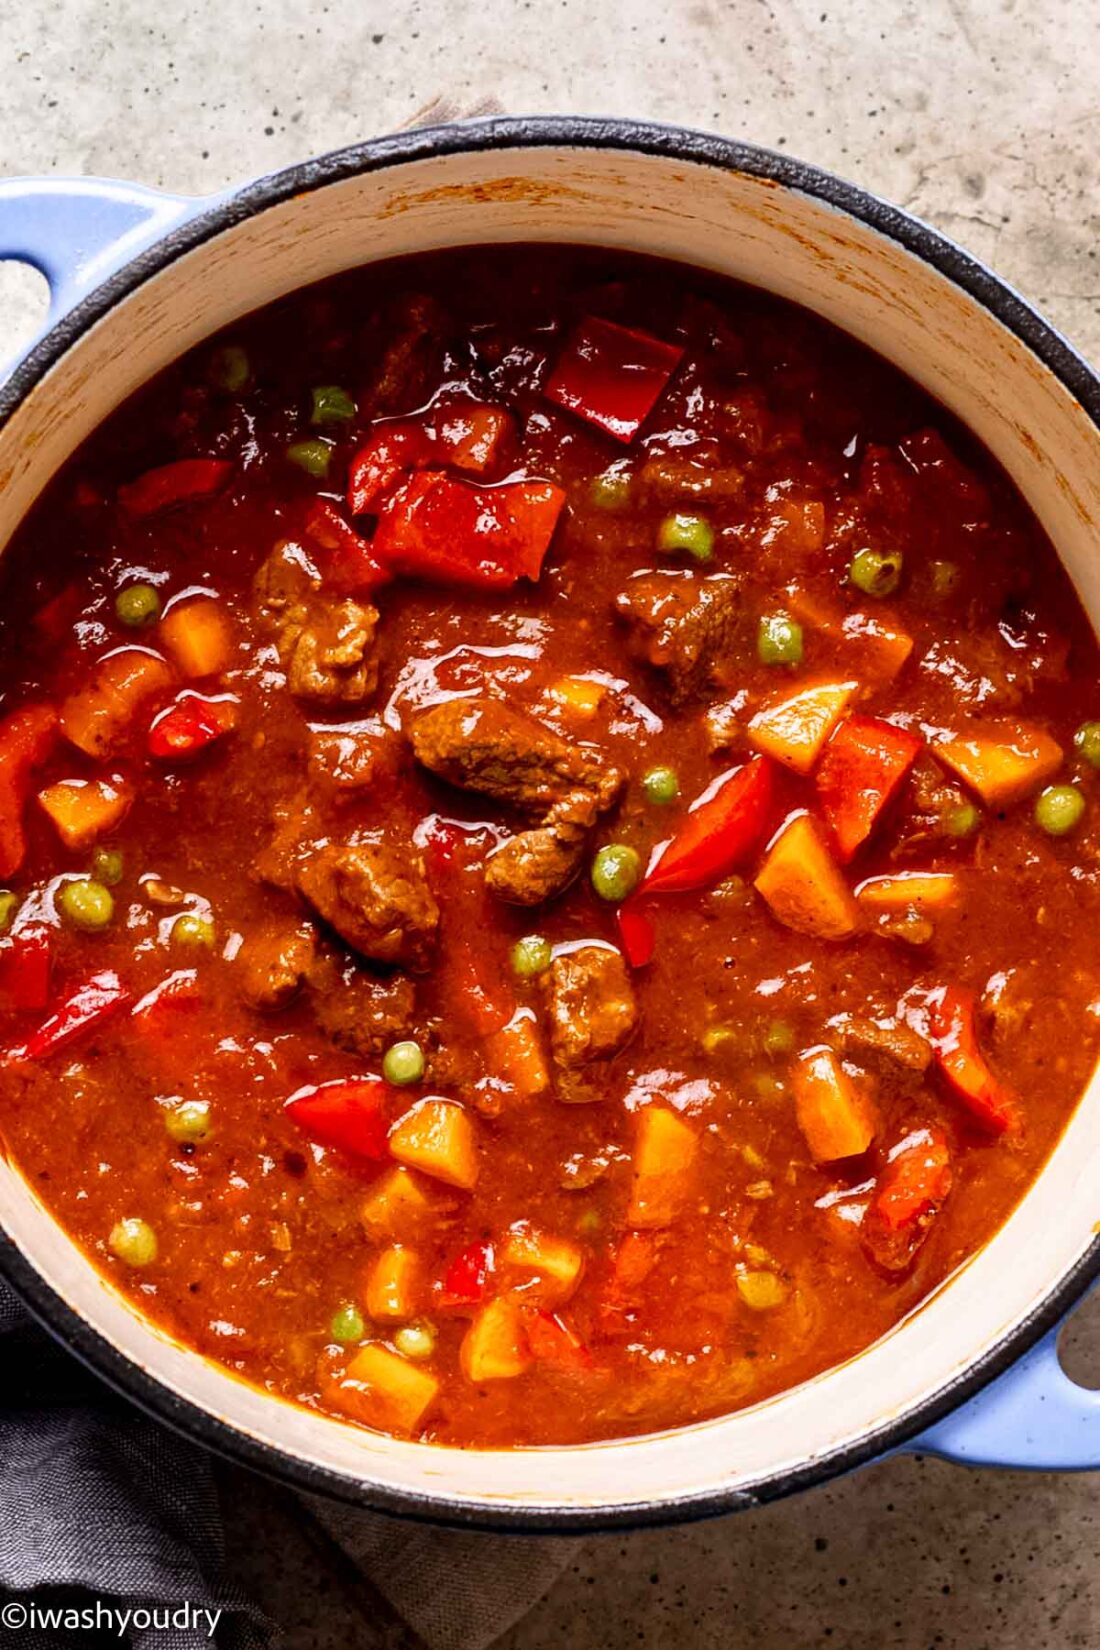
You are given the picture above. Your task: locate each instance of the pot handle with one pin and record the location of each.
(78, 231)
(1032, 1416)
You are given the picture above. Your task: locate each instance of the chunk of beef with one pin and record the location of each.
(684, 626)
(898, 1055)
(591, 1004)
(274, 963)
(376, 897)
(482, 745)
(325, 645)
(535, 865)
(411, 361)
(361, 1012)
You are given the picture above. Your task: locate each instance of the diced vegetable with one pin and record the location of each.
(403, 1063)
(779, 640)
(664, 1152)
(393, 1285)
(485, 538)
(84, 904)
(137, 605)
(761, 1291)
(415, 1340)
(347, 1327)
(578, 695)
(385, 1390)
(348, 563)
(195, 930)
(170, 485)
(197, 637)
(1086, 741)
(802, 883)
(27, 737)
(555, 1262)
(470, 436)
(553, 1342)
(188, 1123)
(495, 1347)
(877, 644)
(83, 809)
(718, 832)
(837, 1118)
(438, 1138)
(616, 870)
(133, 1242)
(953, 1034)
(1059, 809)
(514, 1053)
(531, 956)
(636, 933)
(1002, 761)
(98, 716)
(230, 369)
(612, 376)
(661, 786)
(927, 890)
(684, 533)
(396, 1206)
(184, 729)
(25, 970)
(466, 436)
(795, 728)
(330, 404)
(909, 1193)
(84, 1010)
(466, 1280)
(861, 771)
(177, 990)
(313, 455)
(349, 1114)
(876, 572)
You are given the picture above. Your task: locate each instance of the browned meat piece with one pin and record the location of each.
(411, 361)
(376, 897)
(886, 1047)
(670, 479)
(326, 646)
(361, 1013)
(682, 625)
(591, 1003)
(482, 745)
(274, 963)
(535, 865)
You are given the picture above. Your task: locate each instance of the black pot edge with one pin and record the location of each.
(692, 147)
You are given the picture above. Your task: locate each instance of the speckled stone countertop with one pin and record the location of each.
(980, 115)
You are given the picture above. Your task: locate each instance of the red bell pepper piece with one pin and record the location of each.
(349, 565)
(176, 991)
(633, 1260)
(466, 1280)
(910, 1192)
(612, 375)
(483, 538)
(465, 436)
(185, 728)
(482, 999)
(27, 737)
(553, 1342)
(469, 436)
(954, 1038)
(636, 933)
(861, 771)
(25, 970)
(83, 1010)
(349, 1113)
(717, 833)
(172, 484)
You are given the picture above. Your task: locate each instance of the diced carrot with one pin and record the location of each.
(553, 1342)
(495, 1347)
(878, 645)
(794, 729)
(911, 1190)
(927, 890)
(836, 1117)
(1002, 761)
(861, 771)
(556, 1263)
(438, 1138)
(82, 809)
(27, 738)
(515, 1054)
(802, 883)
(98, 715)
(173, 484)
(470, 435)
(385, 1390)
(392, 1284)
(577, 695)
(396, 1206)
(664, 1152)
(197, 636)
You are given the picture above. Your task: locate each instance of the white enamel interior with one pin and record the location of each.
(867, 284)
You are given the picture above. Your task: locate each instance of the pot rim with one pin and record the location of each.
(538, 132)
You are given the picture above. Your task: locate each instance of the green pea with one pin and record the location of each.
(312, 456)
(188, 1122)
(230, 369)
(85, 904)
(778, 1039)
(1087, 741)
(107, 866)
(137, 606)
(610, 490)
(945, 577)
(1058, 809)
(347, 1324)
(589, 1223)
(779, 640)
(876, 572)
(616, 870)
(403, 1063)
(133, 1241)
(331, 405)
(9, 905)
(531, 955)
(962, 820)
(661, 786)
(767, 1086)
(415, 1340)
(693, 534)
(194, 930)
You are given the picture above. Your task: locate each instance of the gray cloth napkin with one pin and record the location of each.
(97, 1502)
